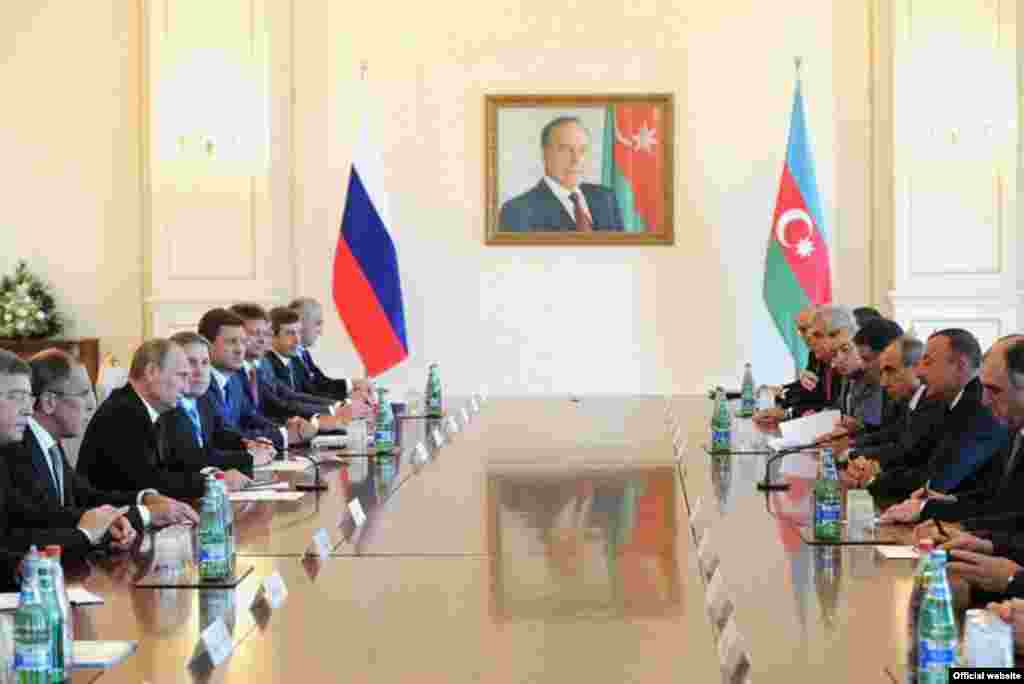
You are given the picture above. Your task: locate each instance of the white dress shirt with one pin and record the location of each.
(563, 196)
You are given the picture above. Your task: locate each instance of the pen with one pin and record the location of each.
(261, 485)
(942, 531)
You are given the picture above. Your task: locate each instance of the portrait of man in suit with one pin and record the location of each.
(561, 200)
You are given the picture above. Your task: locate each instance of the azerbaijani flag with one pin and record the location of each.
(367, 288)
(797, 271)
(633, 164)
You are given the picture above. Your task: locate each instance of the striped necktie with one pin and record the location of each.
(1011, 461)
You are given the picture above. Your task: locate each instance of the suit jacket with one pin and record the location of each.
(965, 440)
(25, 521)
(322, 385)
(894, 414)
(538, 209)
(222, 447)
(241, 413)
(280, 402)
(825, 394)
(121, 451)
(862, 400)
(29, 472)
(999, 494)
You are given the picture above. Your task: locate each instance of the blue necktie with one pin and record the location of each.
(307, 362)
(193, 416)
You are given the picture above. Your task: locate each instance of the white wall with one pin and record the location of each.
(509, 319)
(69, 131)
(564, 319)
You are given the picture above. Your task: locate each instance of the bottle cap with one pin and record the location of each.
(219, 475)
(53, 550)
(926, 545)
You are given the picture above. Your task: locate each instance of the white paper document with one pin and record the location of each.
(806, 430)
(77, 595)
(897, 551)
(266, 486)
(100, 654)
(265, 495)
(284, 467)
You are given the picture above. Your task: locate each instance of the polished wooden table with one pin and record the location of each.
(549, 540)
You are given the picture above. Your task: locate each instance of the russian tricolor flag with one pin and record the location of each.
(367, 288)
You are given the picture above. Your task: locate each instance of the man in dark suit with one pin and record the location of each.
(231, 391)
(64, 404)
(122, 448)
(1000, 490)
(559, 202)
(278, 400)
(311, 316)
(968, 436)
(194, 434)
(897, 441)
(24, 522)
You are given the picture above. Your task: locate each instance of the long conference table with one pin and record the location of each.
(547, 540)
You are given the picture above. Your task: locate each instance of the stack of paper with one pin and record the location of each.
(806, 430)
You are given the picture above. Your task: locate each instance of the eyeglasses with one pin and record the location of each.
(19, 397)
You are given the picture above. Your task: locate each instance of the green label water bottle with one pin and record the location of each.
(384, 429)
(937, 633)
(213, 557)
(54, 621)
(721, 424)
(748, 402)
(827, 500)
(432, 397)
(917, 591)
(33, 647)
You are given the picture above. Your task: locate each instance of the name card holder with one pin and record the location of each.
(217, 642)
(422, 455)
(718, 603)
(452, 425)
(358, 515)
(707, 557)
(321, 546)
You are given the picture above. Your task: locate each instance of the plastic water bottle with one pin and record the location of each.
(54, 621)
(213, 557)
(748, 402)
(721, 424)
(384, 430)
(433, 405)
(33, 647)
(937, 633)
(228, 514)
(827, 501)
(53, 553)
(925, 548)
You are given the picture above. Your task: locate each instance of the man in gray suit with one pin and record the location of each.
(559, 202)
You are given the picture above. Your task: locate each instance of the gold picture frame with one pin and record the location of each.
(579, 169)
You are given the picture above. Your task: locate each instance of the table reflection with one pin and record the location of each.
(584, 543)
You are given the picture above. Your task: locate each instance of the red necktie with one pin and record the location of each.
(254, 390)
(828, 384)
(580, 215)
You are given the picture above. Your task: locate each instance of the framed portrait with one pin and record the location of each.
(579, 169)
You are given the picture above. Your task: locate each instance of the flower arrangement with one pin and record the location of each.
(27, 307)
